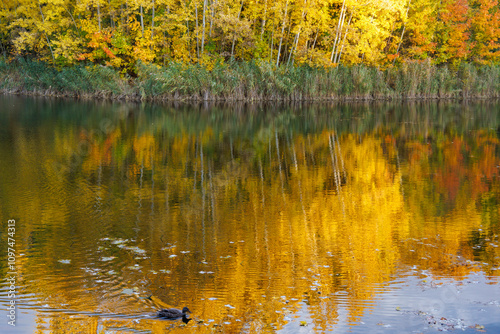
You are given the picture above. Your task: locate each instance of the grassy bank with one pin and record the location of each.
(249, 81)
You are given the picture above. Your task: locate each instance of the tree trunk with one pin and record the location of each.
(126, 10)
(72, 18)
(402, 33)
(187, 32)
(291, 49)
(204, 23)
(338, 30)
(46, 35)
(343, 41)
(197, 29)
(152, 24)
(314, 43)
(282, 32)
(111, 15)
(296, 40)
(272, 45)
(263, 21)
(99, 16)
(142, 21)
(234, 37)
(340, 36)
(214, 4)
(285, 48)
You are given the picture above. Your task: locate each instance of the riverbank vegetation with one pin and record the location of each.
(250, 81)
(246, 50)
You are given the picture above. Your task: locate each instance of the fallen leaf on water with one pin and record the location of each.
(135, 267)
(303, 323)
(118, 241)
(136, 249)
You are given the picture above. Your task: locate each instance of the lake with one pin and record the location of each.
(261, 218)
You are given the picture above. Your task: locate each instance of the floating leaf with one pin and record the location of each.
(135, 267)
(303, 323)
(118, 241)
(136, 249)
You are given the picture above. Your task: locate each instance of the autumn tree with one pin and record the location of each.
(325, 33)
(486, 30)
(454, 43)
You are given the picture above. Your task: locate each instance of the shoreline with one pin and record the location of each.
(105, 96)
(252, 82)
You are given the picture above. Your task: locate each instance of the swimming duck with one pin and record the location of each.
(173, 313)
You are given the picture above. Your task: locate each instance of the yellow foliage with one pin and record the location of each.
(305, 31)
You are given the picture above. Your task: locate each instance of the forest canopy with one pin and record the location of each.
(321, 33)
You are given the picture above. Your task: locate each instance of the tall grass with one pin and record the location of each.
(33, 77)
(253, 81)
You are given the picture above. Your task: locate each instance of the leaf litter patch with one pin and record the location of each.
(444, 304)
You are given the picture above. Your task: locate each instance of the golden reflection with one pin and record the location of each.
(247, 232)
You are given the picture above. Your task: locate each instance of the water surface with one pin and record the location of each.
(260, 218)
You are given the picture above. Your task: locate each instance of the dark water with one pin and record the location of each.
(360, 218)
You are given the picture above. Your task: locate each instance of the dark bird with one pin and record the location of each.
(173, 313)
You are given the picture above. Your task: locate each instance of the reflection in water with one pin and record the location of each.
(256, 217)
